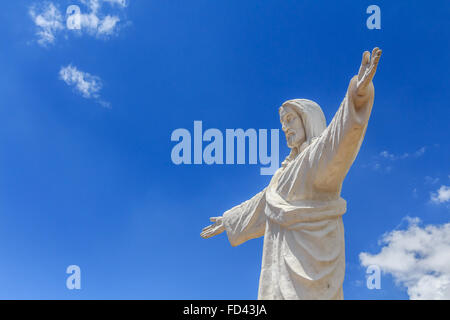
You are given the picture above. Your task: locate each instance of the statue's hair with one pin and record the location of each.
(312, 117)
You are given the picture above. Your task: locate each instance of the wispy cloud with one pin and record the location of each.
(430, 180)
(98, 18)
(390, 156)
(383, 161)
(84, 83)
(417, 258)
(442, 195)
(96, 22)
(48, 20)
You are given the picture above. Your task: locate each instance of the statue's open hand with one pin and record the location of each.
(367, 70)
(214, 229)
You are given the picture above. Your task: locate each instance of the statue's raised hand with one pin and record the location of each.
(214, 229)
(367, 70)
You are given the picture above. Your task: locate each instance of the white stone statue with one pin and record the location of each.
(300, 212)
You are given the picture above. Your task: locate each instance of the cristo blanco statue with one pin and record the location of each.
(300, 212)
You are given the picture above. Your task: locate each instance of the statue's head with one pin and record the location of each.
(302, 120)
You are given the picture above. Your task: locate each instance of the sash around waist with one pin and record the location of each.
(287, 213)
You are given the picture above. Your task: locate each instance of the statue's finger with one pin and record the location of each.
(372, 71)
(375, 63)
(364, 64)
(374, 52)
(206, 228)
(205, 234)
(379, 54)
(376, 59)
(365, 58)
(213, 219)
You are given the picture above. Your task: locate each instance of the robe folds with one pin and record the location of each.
(300, 213)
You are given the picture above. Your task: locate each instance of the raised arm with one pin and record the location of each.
(338, 146)
(243, 222)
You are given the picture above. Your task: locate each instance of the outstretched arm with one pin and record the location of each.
(338, 146)
(243, 222)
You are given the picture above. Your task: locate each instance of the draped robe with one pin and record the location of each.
(300, 213)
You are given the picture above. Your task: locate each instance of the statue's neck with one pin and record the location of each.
(297, 150)
(294, 152)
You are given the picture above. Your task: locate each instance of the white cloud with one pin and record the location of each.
(98, 18)
(95, 5)
(108, 25)
(381, 161)
(387, 155)
(420, 152)
(48, 22)
(418, 258)
(442, 195)
(377, 166)
(431, 180)
(84, 83)
(96, 22)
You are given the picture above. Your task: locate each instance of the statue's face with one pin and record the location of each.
(292, 125)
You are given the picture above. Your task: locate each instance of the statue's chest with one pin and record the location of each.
(295, 181)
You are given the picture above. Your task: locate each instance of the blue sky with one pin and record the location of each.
(86, 174)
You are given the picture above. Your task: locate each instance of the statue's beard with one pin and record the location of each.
(294, 141)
